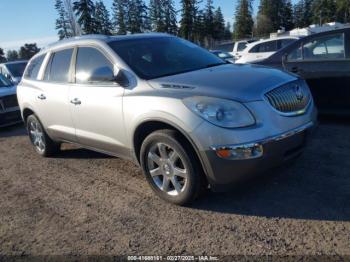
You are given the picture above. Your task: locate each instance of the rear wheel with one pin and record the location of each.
(170, 167)
(42, 143)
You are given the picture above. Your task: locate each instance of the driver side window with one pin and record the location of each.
(93, 67)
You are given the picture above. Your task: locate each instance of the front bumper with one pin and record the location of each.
(250, 159)
(10, 117)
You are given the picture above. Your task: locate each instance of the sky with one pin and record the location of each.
(29, 21)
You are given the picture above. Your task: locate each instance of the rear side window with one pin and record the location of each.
(34, 67)
(270, 46)
(58, 67)
(93, 67)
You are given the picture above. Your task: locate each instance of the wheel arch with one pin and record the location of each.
(151, 125)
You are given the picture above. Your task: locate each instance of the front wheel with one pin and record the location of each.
(171, 168)
(42, 143)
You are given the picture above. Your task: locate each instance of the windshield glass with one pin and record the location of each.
(157, 57)
(4, 82)
(17, 69)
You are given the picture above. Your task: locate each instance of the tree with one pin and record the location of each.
(209, 20)
(85, 11)
(324, 11)
(62, 24)
(243, 25)
(188, 17)
(170, 21)
(287, 21)
(343, 11)
(12, 55)
(157, 15)
(72, 20)
(119, 8)
(137, 20)
(27, 51)
(218, 25)
(302, 13)
(228, 33)
(102, 20)
(2, 56)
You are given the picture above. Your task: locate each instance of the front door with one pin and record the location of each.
(96, 103)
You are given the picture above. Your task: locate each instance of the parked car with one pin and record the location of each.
(263, 49)
(188, 118)
(239, 47)
(9, 110)
(225, 56)
(324, 61)
(13, 70)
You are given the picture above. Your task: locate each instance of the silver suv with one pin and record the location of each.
(190, 120)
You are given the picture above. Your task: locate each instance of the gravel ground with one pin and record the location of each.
(85, 203)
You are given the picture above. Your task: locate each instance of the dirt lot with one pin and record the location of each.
(87, 203)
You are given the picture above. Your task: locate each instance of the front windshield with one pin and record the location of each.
(4, 82)
(156, 57)
(17, 69)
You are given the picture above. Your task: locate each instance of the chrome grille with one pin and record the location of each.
(292, 98)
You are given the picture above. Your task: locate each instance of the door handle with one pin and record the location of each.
(76, 101)
(42, 97)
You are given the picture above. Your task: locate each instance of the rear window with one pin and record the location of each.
(58, 67)
(34, 67)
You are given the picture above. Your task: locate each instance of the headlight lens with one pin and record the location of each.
(220, 112)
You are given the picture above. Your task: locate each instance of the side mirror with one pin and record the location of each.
(121, 79)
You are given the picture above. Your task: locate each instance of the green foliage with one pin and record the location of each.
(12, 55)
(119, 9)
(137, 17)
(62, 23)
(343, 11)
(163, 16)
(324, 11)
(2, 56)
(85, 12)
(27, 51)
(103, 24)
(218, 32)
(188, 19)
(244, 20)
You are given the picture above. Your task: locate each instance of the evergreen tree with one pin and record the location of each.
(62, 23)
(188, 18)
(244, 20)
(103, 24)
(343, 11)
(85, 11)
(323, 11)
(302, 13)
(218, 25)
(287, 21)
(209, 20)
(170, 21)
(199, 28)
(27, 51)
(120, 16)
(228, 33)
(156, 14)
(2, 56)
(137, 20)
(12, 55)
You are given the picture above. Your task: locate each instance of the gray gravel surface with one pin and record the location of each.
(86, 203)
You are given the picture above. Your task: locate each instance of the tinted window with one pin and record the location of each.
(92, 66)
(58, 67)
(17, 69)
(285, 42)
(325, 48)
(34, 67)
(162, 56)
(4, 82)
(296, 54)
(270, 46)
(241, 46)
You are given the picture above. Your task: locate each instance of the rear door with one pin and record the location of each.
(53, 98)
(324, 62)
(96, 102)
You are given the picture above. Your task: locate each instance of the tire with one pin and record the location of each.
(42, 143)
(171, 168)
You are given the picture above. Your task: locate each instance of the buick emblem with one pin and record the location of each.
(299, 92)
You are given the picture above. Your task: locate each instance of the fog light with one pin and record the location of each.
(239, 152)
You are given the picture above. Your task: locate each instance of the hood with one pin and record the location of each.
(243, 83)
(6, 91)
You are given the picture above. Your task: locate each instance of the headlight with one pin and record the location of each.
(220, 112)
